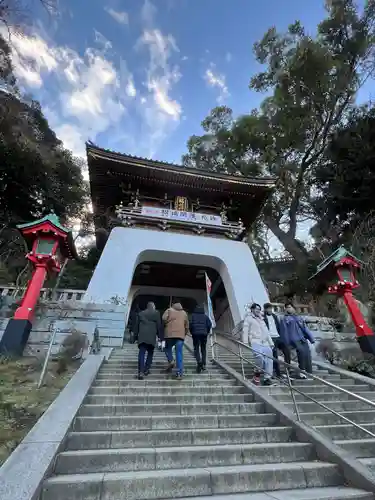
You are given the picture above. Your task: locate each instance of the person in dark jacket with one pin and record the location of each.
(200, 327)
(148, 328)
(299, 337)
(278, 336)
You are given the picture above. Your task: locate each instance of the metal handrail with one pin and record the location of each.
(292, 388)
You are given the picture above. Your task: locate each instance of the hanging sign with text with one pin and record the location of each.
(177, 215)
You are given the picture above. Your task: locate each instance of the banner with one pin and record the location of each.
(209, 302)
(165, 213)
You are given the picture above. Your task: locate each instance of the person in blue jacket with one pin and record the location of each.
(200, 327)
(294, 329)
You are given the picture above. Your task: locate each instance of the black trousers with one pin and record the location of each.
(200, 349)
(303, 355)
(145, 355)
(279, 345)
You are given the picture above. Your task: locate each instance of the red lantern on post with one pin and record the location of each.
(49, 244)
(338, 273)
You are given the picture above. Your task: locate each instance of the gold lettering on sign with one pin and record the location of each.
(181, 204)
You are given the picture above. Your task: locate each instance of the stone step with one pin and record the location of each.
(180, 437)
(321, 417)
(156, 367)
(338, 406)
(189, 457)
(160, 376)
(346, 431)
(329, 493)
(369, 462)
(313, 389)
(166, 390)
(167, 399)
(114, 423)
(337, 396)
(333, 379)
(170, 409)
(360, 448)
(151, 382)
(176, 483)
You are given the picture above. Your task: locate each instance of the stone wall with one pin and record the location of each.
(70, 315)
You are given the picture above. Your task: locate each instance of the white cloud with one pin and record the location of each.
(148, 13)
(31, 58)
(160, 75)
(72, 136)
(102, 41)
(217, 81)
(84, 95)
(121, 17)
(130, 88)
(161, 112)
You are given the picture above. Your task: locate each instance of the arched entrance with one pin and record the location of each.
(127, 248)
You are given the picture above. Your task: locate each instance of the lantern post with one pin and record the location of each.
(338, 275)
(49, 244)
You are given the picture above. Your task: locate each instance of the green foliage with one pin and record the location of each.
(346, 180)
(364, 364)
(78, 272)
(312, 83)
(71, 349)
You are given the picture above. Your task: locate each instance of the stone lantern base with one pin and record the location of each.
(15, 337)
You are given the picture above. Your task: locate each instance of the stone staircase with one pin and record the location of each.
(352, 439)
(203, 436)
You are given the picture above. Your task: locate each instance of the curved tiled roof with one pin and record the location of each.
(166, 168)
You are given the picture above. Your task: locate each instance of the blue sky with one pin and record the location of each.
(139, 76)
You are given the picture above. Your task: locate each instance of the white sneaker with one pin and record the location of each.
(302, 376)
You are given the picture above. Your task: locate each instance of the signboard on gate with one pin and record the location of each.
(165, 213)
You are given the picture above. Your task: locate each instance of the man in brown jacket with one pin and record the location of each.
(176, 326)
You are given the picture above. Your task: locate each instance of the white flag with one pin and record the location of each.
(209, 303)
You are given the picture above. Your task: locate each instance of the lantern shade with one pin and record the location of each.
(44, 246)
(347, 275)
(51, 228)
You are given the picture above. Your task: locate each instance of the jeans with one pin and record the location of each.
(265, 364)
(279, 345)
(144, 363)
(303, 355)
(179, 345)
(200, 349)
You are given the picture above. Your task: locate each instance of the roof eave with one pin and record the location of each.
(94, 152)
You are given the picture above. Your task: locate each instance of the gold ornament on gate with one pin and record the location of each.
(181, 204)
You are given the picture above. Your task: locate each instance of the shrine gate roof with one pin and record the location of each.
(101, 161)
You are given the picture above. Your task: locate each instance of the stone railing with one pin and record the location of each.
(61, 294)
(133, 216)
(302, 309)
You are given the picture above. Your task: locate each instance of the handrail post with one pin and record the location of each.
(292, 394)
(242, 365)
(51, 342)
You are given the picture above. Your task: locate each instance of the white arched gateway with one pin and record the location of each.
(127, 248)
(174, 227)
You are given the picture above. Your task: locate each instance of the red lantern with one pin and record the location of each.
(49, 244)
(339, 271)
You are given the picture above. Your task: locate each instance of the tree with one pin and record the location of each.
(14, 14)
(312, 84)
(345, 181)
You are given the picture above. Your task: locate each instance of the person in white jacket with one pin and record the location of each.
(256, 334)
